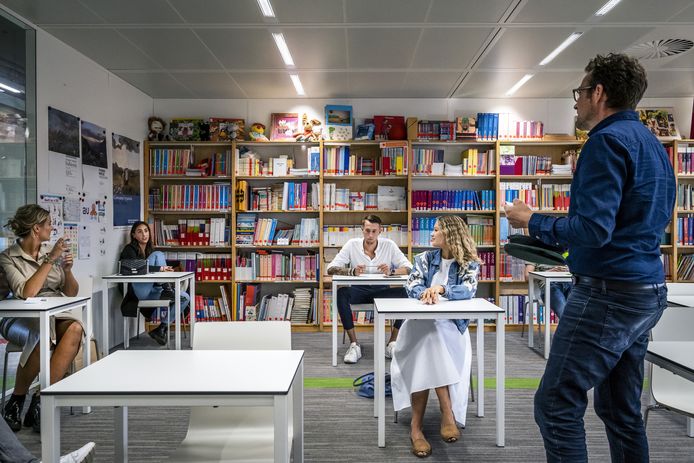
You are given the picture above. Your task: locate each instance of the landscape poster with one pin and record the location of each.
(63, 133)
(94, 145)
(126, 180)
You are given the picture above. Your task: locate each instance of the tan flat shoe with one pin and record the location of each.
(421, 448)
(450, 432)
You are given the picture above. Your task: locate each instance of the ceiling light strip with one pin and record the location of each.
(266, 8)
(283, 48)
(607, 7)
(297, 84)
(569, 40)
(9, 89)
(519, 84)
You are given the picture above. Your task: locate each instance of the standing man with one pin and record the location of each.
(622, 198)
(369, 254)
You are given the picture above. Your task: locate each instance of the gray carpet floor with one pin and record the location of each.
(339, 426)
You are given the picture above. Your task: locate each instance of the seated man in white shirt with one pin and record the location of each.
(369, 254)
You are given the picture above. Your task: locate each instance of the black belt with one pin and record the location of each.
(614, 284)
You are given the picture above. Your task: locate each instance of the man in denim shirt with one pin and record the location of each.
(622, 198)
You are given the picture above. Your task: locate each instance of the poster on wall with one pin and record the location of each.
(72, 238)
(64, 144)
(93, 210)
(63, 133)
(54, 205)
(93, 145)
(84, 242)
(126, 180)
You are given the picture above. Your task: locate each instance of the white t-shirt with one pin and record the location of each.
(387, 252)
(441, 277)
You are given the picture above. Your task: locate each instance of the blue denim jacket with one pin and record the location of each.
(462, 283)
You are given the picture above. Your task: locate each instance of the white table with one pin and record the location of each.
(685, 301)
(479, 309)
(183, 378)
(363, 280)
(548, 278)
(176, 278)
(43, 308)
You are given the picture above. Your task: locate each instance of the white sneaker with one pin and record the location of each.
(389, 349)
(353, 353)
(82, 455)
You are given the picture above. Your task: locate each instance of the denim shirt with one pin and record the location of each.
(462, 283)
(622, 198)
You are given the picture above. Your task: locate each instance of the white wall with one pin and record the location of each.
(556, 113)
(71, 82)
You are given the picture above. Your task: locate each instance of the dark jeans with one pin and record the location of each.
(600, 343)
(364, 295)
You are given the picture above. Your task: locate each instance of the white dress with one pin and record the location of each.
(431, 354)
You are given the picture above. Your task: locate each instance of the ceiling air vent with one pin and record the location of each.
(656, 49)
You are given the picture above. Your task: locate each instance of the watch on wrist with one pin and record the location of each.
(47, 260)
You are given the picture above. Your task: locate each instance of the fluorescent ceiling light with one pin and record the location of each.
(569, 40)
(519, 84)
(297, 84)
(8, 88)
(283, 48)
(266, 8)
(607, 7)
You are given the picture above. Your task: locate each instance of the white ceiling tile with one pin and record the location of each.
(106, 47)
(524, 47)
(325, 84)
(467, 11)
(209, 84)
(686, 15)
(317, 48)
(549, 11)
(243, 48)
(669, 84)
(376, 84)
(381, 48)
(172, 48)
(42, 12)
(674, 31)
(219, 11)
(449, 48)
(429, 84)
(386, 11)
(133, 11)
(156, 84)
(596, 41)
(308, 11)
(487, 84)
(265, 84)
(645, 10)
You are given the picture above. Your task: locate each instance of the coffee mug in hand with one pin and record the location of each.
(371, 269)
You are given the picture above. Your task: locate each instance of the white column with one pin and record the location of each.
(281, 421)
(120, 434)
(50, 430)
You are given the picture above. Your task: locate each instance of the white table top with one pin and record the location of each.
(475, 305)
(686, 301)
(41, 304)
(679, 352)
(148, 275)
(370, 276)
(566, 275)
(185, 372)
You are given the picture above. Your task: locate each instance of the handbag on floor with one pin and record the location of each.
(364, 385)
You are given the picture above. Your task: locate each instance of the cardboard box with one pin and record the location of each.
(411, 124)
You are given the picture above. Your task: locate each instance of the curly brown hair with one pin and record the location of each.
(458, 238)
(622, 77)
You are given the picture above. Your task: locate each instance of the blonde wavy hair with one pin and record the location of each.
(25, 218)
(458, 238)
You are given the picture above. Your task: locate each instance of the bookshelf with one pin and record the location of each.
(361, 174)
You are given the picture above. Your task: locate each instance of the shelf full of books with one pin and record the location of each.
(263, 220)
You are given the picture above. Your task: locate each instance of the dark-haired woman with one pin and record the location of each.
(140, 247)
(34, 269)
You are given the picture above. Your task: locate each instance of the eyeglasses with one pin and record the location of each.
(577, 91)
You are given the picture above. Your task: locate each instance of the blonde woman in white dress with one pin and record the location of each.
(436, 354)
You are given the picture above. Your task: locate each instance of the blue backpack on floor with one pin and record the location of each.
(364, 385)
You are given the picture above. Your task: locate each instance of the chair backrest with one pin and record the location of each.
(680, 289)
(266, 335)
(675, 325)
